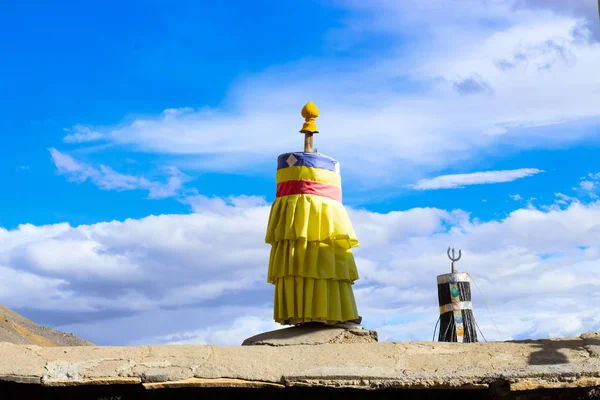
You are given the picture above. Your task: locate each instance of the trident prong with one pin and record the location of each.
(453, 258)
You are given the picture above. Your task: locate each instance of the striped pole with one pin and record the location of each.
(457, 323)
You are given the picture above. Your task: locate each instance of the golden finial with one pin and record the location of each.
(310, 112)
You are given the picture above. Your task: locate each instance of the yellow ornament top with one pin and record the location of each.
(310, 112)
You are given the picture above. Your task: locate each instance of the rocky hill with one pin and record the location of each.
(17, 329)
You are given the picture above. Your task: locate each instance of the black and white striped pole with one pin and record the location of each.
(457, 323)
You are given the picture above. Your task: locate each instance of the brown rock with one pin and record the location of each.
(94, 381)
(314, 334)
(15, 328)
(212, 383)
(590, 335)
(536, 384)
(21, 379)
(592, 343)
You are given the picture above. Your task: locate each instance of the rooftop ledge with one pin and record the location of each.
(517, 365)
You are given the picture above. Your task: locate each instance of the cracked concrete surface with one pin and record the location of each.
(522, 365)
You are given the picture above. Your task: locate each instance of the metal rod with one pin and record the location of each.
(454, 259)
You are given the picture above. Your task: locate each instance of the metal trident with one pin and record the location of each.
(454, 259)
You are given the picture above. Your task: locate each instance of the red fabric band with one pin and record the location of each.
(309, 187)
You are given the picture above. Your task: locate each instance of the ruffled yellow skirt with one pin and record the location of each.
(299, 300)
(311, 264)
(312, 218)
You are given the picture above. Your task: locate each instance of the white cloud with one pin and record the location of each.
(38, 288)
(475, 178)
(223, 334)
(398, 109)
(108, 179)
(219, 204)
(585, 10)
(83, 134)
(472, 85)
(202, 277)
(589, 185)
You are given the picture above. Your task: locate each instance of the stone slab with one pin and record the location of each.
(93, 381)
(25, 362)
(21, 379)
(592, 343)
(213, 383)
(537, 383)
(314, 334)
(590, 335)
(524, 365)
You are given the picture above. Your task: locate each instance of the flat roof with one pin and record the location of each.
(523, 365)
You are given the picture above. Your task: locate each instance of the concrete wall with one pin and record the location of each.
(513, 369)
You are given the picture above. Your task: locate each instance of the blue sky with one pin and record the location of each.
(103, 64)
(97, 64)
(460, 118)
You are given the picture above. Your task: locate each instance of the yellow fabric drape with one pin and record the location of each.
(311, 262)
(320, 260)
(299, 299)
(313, 218)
